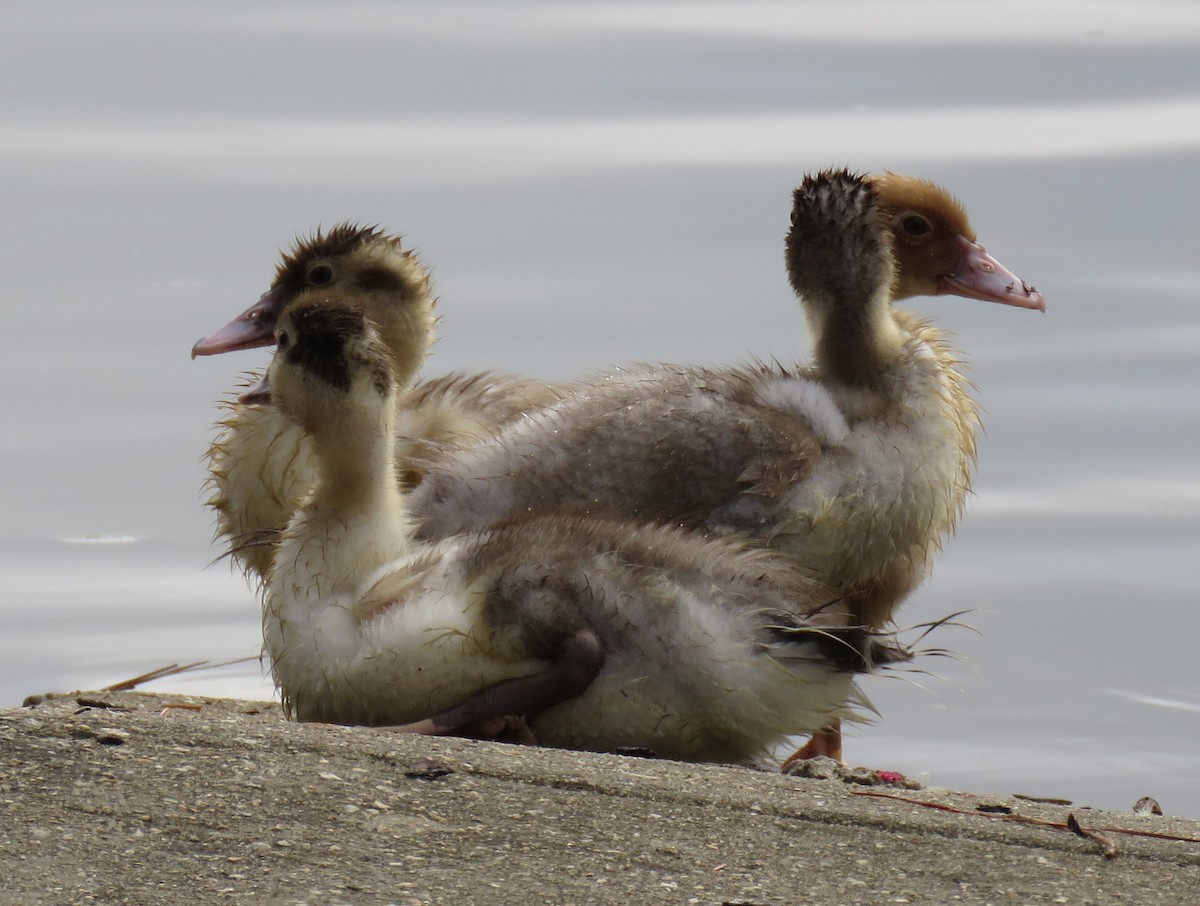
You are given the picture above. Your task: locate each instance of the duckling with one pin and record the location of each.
(595, 633)
(856, 467)
(260, 465)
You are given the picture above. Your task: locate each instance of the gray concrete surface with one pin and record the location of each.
(164, 798)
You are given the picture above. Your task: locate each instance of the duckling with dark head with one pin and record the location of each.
(855, 467)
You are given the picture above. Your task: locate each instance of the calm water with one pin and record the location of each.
(598, 183)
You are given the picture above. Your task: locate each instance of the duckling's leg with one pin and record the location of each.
(504, 706)
(827, 741)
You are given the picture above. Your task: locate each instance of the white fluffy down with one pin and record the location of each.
(810, 401)
(422, 655)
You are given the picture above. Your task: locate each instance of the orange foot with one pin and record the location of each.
(826, 741)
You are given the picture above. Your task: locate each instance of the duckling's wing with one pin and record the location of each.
(667, 454)
(487, 397)
(445, 415)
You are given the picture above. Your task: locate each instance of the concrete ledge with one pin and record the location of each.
(162, 798)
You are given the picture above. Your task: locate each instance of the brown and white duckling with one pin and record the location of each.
(598, 633)
(856, 468)
(260, 465)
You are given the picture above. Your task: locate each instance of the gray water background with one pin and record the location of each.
(597, 183)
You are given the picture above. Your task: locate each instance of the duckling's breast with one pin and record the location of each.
(401, 660)
(892, 474)
(458, 411)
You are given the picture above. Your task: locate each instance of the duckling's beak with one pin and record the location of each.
(252, 328)
(980, 276)
(259, 394)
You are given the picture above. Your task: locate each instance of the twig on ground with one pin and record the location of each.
(1028, 819)
(173, 670)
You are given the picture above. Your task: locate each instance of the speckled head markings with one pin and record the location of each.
(332, 341)
(840, 263)
(348, 260)
(330, 345)
(320, 262)
(839, 247)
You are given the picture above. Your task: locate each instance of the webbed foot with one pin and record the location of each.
(827, 741)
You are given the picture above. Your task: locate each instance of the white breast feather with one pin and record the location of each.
(810, 401)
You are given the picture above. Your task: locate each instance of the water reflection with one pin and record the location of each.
(443, 149)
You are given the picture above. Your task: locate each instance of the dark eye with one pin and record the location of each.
(283, 339)
(915, 225)
(320, 275)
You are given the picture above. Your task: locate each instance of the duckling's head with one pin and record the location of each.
(936, 249)
(857, 243)
(854, 237)
(362, 265)
(839, 247)
(331, 366)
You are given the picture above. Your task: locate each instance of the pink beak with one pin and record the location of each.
(980, 276)
(251, 329)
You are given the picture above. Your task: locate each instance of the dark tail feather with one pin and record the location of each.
(856, 649)
(860, 649)
(885, 650)
(951, 619)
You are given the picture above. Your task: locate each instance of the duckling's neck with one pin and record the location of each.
(354, 467)
(356, 520)
(856, 344)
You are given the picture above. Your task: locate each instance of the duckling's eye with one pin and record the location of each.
(283, 340)
(320, 275)
(915, 225)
